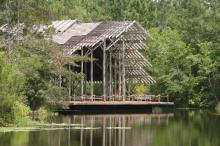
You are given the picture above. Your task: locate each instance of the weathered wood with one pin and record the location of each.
(70, 83)
(110, 74)
(91, 74)
(129, 88)
(82, 80)
(85, 79)
(104, 70)
(115, 76)
(123, 73)
(119, 103)
(119, 74)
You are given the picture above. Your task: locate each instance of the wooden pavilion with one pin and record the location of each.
(113, 49)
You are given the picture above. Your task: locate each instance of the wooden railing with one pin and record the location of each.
(149, 98)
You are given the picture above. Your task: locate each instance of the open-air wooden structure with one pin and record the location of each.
(113, 49)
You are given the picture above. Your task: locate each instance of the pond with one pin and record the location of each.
(176, 128)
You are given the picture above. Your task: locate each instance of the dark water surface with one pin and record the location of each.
(178, 128)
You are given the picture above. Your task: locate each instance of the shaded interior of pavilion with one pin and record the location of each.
(107, 72)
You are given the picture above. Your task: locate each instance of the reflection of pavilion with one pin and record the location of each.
(117, 130)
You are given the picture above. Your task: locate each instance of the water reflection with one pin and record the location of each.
(172, 129)
(115, 130)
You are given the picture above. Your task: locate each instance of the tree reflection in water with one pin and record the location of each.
(173, 129)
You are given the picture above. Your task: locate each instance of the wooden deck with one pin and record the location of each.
(116, 106)
(118, 103)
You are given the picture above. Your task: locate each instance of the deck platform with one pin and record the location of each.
(116, 105)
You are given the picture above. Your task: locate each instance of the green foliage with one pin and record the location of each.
(182, 71)
(21, 114)
(141, 89)
(43, 114)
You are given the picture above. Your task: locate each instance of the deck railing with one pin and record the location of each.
(147, 98)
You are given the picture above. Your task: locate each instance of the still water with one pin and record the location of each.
(177, 128)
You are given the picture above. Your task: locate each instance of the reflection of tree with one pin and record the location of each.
(14, 138)
(193, 129)
(183, 128)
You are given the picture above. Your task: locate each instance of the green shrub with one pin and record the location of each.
(43, 114)
(20, 115)
(140, 90)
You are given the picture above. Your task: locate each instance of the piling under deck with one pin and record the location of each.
(110, 106)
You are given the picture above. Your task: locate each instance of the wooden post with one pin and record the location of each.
(129, 89)
(119, 74)
(91, 74)
(85, 79)
(115, 76)
(82, 91)
(107, 75)
(69, 88)
(123, 72)
(110, 75)
(104, 70)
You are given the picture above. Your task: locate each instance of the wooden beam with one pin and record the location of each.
(119, 74)
(82, 82)
(85, 79)
(70, 83)
(129, 88)
(113, 43)
(91, 75)
(104, 70)
(110, 74)
(123, 73)
(115, 76)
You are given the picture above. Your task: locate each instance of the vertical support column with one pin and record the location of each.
(82, 80)
(104, 70)
(107, 74)
(115, 76)
(85, 79)
(129, 89)
(70, 83)
(91, 75)
(123, 72)
(110, 75)
(119, 74)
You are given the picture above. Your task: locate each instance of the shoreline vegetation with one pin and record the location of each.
(184, 52)
(41, 127)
